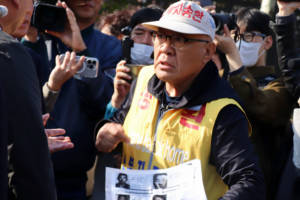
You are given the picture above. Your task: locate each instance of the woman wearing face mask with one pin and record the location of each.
(268, 103)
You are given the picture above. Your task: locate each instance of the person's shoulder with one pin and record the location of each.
(104, 37)
(6, 39)
(32, 53)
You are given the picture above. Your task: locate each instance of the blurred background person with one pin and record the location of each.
(288, 181)
(269, 105)
(112, 23)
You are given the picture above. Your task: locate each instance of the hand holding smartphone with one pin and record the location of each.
(88, 69)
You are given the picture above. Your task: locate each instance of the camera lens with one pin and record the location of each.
(91, 66)
(89, 61)
(94, 62)
(49, 17)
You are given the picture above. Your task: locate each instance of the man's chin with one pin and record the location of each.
(165, 77)
(84, 15)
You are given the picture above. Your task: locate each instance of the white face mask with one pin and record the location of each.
(140, 54)
(249, 52)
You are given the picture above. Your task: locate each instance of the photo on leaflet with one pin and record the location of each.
(122, 197)
(123, 181)
(160, 181)
(159, 197)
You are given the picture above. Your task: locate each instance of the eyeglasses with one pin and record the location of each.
(177, 41)
(248, 36)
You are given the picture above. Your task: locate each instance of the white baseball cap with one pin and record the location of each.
(185, 17)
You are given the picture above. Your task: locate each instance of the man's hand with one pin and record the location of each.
(56, 143)
(121, 87)
(64, 71)
(287, 8)
(109, 136)
(227, 45)
(71, 36)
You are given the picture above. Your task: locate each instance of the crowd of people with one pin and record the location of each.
(200, 95)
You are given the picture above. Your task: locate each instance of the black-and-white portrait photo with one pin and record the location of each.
(123, 197)
(160, 181)
(123, 178)
(159, 197)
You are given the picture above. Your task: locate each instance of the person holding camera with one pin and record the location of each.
(289, 55)
(81, 101)
(269, 105)
(182, 104)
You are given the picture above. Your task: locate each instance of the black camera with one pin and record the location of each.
(222, 19)
(47, 16)
(127, 44)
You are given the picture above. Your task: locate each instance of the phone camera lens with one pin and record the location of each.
(94, 62)
(89, 61)
(91, 66)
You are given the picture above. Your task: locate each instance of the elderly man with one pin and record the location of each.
(30, 170)
(180, 110)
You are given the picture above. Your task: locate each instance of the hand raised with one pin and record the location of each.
(227, 45)
(109, 136)
(71, 36)
(287, 8)
(64, 71)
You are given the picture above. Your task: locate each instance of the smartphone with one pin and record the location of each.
(204, 2)
(88, 69)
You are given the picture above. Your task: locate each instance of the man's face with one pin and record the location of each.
(122, 179)
(141, 35)
(22, 30)
(16, 14)
(161, 181)
(176, 66)
(84, 9)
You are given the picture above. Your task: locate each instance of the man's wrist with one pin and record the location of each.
(234, 61)
(79, 49)
(117, 102)
(52, 87)
(285, 11)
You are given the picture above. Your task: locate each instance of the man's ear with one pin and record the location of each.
(16, 3)
(269, 42)
(210, 51)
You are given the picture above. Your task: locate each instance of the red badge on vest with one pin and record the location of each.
(189, 115)
(144, 103)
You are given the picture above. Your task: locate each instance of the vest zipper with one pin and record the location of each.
(155, 135)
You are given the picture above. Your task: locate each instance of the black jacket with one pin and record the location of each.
(287, 182)
(231, 150)
(3, 148)
(287, 49)
(30, 168)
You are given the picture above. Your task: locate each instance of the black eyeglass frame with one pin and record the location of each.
(185, 39)
(253, 35)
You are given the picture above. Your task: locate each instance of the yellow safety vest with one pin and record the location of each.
(181, 135)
